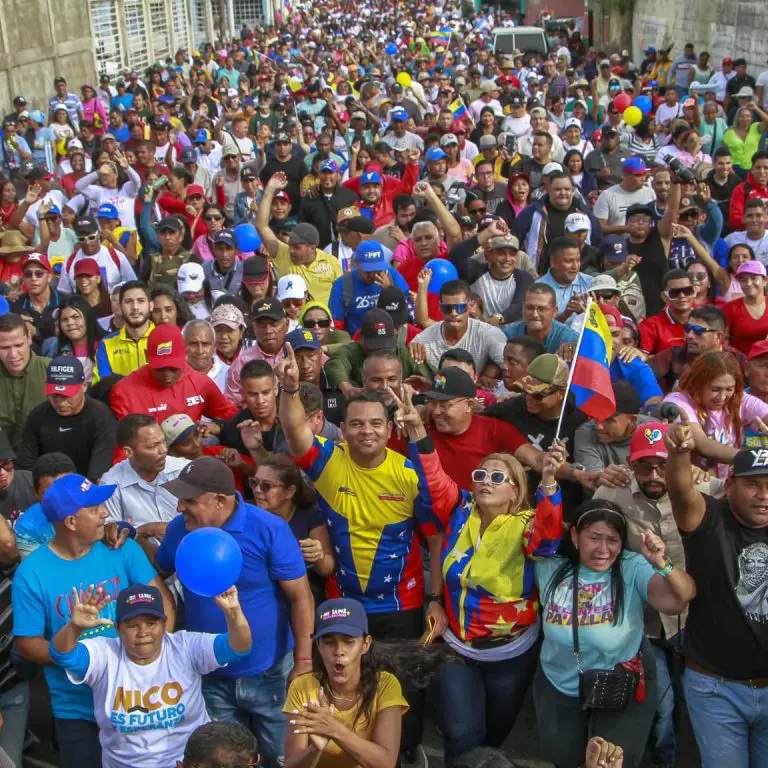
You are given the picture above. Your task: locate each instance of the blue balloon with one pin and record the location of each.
(644, 104)
(248, 239)
(442, 272)
(208, 561)
(391, 49)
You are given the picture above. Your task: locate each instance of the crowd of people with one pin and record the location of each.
(322, 287)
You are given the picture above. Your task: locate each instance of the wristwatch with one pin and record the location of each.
(573, 467)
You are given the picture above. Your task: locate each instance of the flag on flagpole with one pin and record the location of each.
(590, 377)
(458, 110)
(441, 36)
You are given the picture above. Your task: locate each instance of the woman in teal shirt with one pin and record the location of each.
(614, 585)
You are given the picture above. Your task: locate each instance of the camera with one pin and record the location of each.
(683, 173)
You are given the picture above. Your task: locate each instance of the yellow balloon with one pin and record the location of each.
(632, 115)
(404, 79)
(294, 84)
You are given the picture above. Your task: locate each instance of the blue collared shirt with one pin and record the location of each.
(270, 555)
(558, 334)
(564, 293)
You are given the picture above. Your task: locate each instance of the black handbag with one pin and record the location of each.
(604, 689)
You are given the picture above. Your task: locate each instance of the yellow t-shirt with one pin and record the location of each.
(319, 275)
(388, 694)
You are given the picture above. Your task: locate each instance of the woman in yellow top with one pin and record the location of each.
(345, 713)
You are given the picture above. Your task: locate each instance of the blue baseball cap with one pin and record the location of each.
(302, 338)
(399, 114)
(370, 257)
(107, 211)
(54, 210)
(202, 136)
(69, 494)
(139, 600)
(370, 178)
(614, 249)
(166, 99)
(340, 616)
(225, 236)
(329, 165)
(435, 154)
(634, 166)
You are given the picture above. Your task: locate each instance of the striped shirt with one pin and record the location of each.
(638, 147)
(71, 102)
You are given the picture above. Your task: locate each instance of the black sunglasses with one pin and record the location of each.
(317, 323)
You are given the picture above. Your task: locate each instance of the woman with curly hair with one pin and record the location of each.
(712, 398)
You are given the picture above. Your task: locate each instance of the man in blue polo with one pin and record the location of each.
(355, 292)
(274, 594)
(74, 559)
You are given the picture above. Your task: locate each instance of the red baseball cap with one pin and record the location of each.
(195, 189)
(759, 349)
(38, 258)
(87, 267)
(166, 348)
(648, 441)
(282, 195)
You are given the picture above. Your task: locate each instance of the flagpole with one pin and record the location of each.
(572, 368)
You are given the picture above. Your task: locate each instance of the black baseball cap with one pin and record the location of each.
(248, 174)
(86, 225)
(393, 300)
(750, 463)
(255, 269)
(269, 307)
(377, 330)
(170, 222)
(641, 208)
(450, 383)
(360, 224)
(139, 600)
(627, 398)
(204, 475)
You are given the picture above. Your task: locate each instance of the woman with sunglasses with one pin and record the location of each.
(483, 601)
(213, 218)
(279, 487)
(292, 293)
(607, 587)
(316, 317)
(746, 316)
(711, 392)
(703, 282)
(77, 333)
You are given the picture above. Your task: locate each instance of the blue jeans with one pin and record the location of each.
(14, 706)
(730, 721)
(478, 701)
(255, 702)
(663, 744)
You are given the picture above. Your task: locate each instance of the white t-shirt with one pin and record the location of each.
(484, 342)
(112, 272)
(123, 198)
(497, 295)
(762, 82)
(58, 198)
(759, 247)
(666, 114)
(517, 126)
(212, 161)
(613, 203)
(146, 713)
(166, 155)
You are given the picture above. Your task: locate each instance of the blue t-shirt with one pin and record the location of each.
(42, 597)
(123, 103)
(270, 554)
(364, 297)
(558, 334)
(122, 134)
(32, 530)
(602, 644)
(639, 375)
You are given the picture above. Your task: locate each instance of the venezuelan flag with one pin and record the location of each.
(441, 36)
(591, 377)
(457, 108)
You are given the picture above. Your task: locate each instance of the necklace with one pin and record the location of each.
(336, 696)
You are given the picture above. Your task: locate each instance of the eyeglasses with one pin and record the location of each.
(213, 218)
(539, 396)
(699, 330)
(295, 303)
(264, 485)
(88, 238)
(645, 469)
(316, 323)
(34, 272)
(496, 477)
(448, 309)
(678, 293)
(698, 277)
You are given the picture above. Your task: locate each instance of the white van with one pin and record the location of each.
(523, 39)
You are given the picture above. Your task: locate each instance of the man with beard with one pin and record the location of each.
(125, 351)
(647, 507)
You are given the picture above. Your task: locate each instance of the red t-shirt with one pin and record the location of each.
(461, 454)
(745, 329)
(661, 332)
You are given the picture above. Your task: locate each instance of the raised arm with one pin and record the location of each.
(545, 529)
(670, 589)
(293, 419)
(277, 182)
(450, 226)
(688, 506)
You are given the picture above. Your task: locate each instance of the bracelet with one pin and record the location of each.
(666, 570)
(289, 391)
(544, 487)
(435, 599)
(297, 659)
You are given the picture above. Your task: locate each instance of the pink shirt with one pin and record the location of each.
(234, 389)
(713, 424)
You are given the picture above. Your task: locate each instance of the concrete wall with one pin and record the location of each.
(722, 27)
(40, 39)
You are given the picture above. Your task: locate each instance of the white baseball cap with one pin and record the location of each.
(576, 222)
(571, 121)
(551, 168)
(190, 278)
(291, 287)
